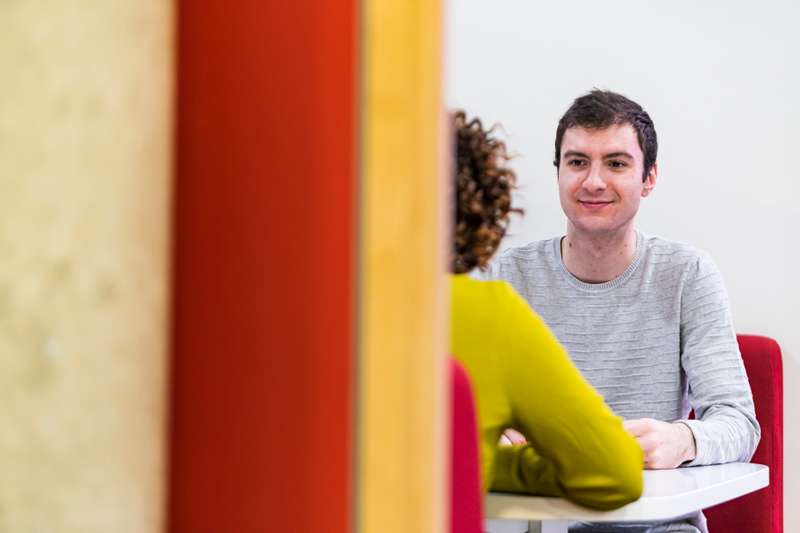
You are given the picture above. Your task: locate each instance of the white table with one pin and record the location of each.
(667, 494)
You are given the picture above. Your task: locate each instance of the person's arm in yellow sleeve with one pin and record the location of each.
(578, 448)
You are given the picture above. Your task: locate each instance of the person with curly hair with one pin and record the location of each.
(522, 377)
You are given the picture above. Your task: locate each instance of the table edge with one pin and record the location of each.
(522, 507)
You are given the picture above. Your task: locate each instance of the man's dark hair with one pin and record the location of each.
(601, 109)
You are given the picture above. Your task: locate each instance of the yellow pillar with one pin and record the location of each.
(402, 300)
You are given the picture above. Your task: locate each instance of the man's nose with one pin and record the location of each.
(594, 181)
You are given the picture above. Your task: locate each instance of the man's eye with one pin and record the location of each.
(617, 164)
(576, 162)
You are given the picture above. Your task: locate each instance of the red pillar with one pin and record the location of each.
(262, 371)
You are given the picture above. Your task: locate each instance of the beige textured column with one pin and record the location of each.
(85, 126)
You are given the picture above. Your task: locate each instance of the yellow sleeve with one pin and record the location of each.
(578, 448)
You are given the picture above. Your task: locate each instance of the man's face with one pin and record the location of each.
(600, 178)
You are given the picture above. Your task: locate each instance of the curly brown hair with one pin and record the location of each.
(483, 185)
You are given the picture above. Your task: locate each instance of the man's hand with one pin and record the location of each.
(665, 445)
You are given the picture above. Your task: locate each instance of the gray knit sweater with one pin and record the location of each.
(656, 341)
(660, 330)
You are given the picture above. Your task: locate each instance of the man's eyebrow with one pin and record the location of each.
(618, 154)
(574, 153)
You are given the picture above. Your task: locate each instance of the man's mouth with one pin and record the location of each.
(594, 204)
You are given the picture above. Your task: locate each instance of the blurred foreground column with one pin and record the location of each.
(263, 366)
(403, 335)
(309, 333)
(85, 143)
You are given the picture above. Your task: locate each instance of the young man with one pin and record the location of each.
(647, 321)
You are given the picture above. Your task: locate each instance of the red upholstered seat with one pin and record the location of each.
(761, 511)
(465, 483)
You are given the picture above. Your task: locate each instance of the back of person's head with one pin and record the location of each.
(601, 109)
(483, 185)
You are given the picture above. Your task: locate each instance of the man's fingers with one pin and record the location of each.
(660, 441)
(657, 462)
(648, 443)
(640, 426)
(635, 427)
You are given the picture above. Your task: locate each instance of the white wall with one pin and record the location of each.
(718, 79)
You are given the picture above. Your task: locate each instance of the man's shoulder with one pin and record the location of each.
(522, 259)
(531, 251)
(674, 255)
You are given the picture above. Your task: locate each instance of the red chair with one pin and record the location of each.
(466, 504)
(760, 511)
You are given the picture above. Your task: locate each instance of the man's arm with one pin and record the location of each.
(725, 428)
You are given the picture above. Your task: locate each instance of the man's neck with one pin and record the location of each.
(598, 258)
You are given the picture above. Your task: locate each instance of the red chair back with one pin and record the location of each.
(760, 511)
(465, 482)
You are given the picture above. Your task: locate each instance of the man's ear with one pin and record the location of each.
(650, 180)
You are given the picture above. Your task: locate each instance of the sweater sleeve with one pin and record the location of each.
(578, 448)
(725, 428)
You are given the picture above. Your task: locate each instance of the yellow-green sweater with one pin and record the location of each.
(523, 378)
